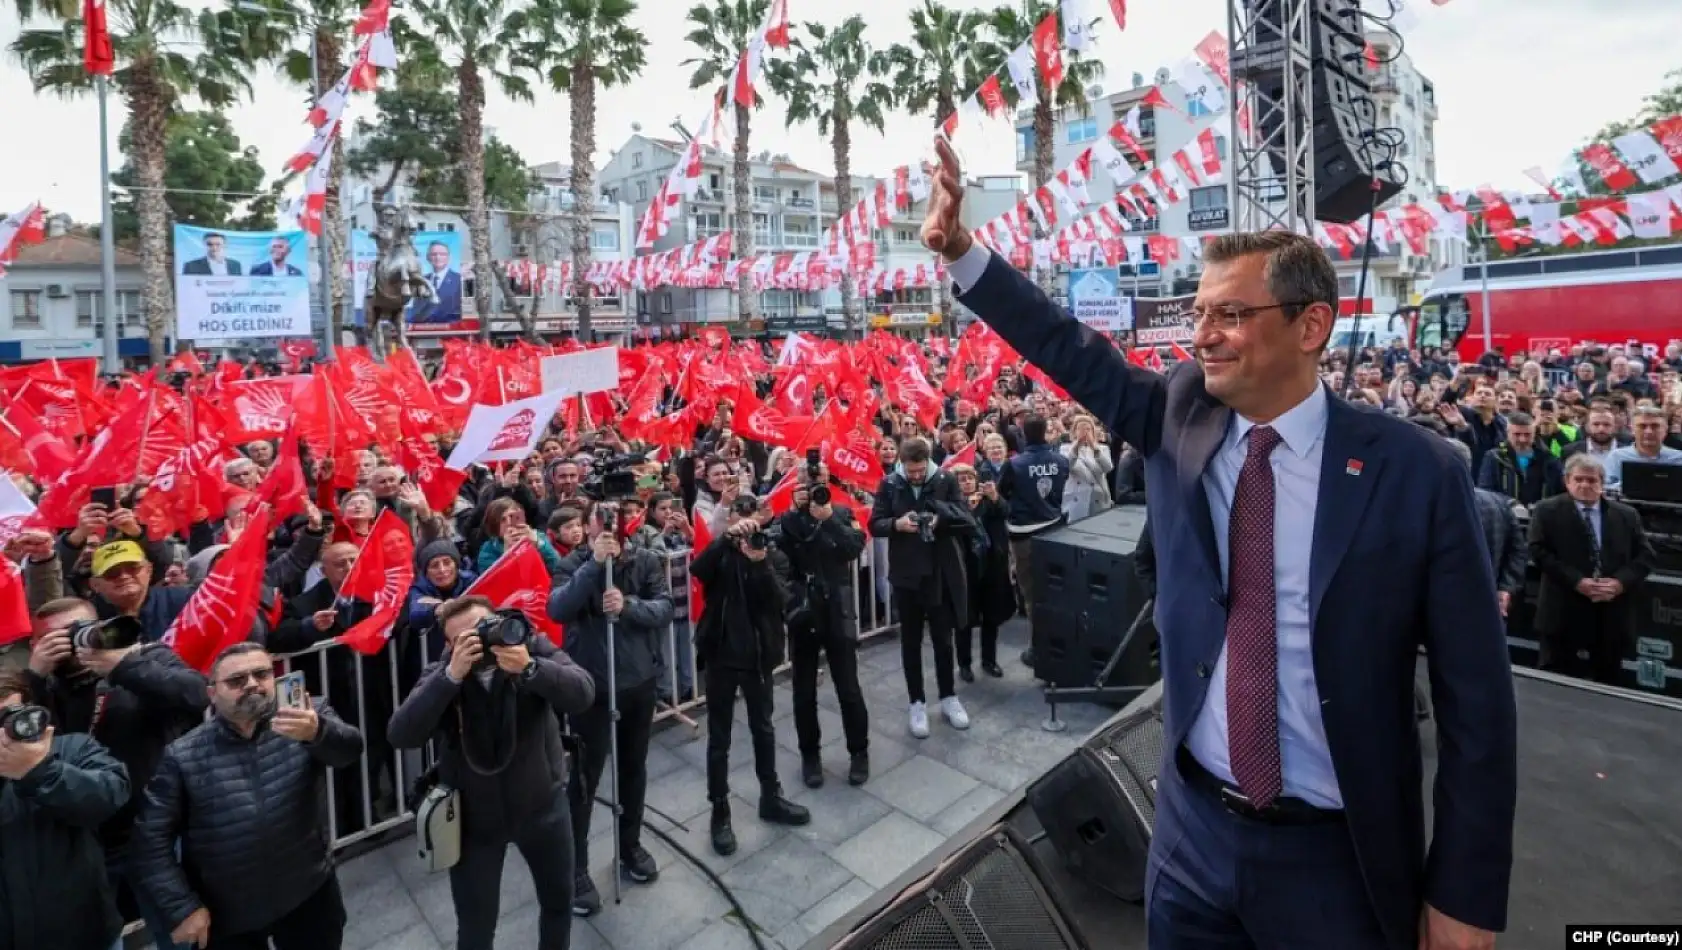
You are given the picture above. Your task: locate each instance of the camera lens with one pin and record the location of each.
(821, 495)
(25, 723)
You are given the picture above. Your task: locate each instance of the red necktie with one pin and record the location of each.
(1252, 656)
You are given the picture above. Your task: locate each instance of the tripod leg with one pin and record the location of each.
(613, 740)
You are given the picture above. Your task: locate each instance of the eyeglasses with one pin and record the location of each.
(1229, 317)
(238, 680)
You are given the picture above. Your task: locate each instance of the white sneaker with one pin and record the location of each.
(920, 720)
(954, 712)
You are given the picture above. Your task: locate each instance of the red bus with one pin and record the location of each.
(1541, 303)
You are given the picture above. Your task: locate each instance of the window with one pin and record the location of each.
(446, 226)
(1220, 147)
(905, 236)
(26, 309)
(604, 239)
(642, 191)
(709, 225)
(666, 302)
(1147, 122)
(1208, 199)
(613, 196)
(129, 313)
(1024, 144)
(87, 308)
(1083, 130)
(636, 159)
(714, 183)
(764, 193)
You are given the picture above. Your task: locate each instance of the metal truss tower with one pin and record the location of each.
(1272, 62)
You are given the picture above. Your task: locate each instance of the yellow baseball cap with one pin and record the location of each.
(113, 553)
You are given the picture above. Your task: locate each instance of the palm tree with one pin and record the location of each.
(722, 33)
(580, 45)
(1011, 26)
(474, 39)
(154, 73)
(310, 39)
(931, 72)
(834, 80)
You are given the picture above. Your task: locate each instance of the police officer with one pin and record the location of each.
(1032, 486)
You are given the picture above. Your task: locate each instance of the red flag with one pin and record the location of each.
(97, 54)
(964, 456)
(262, 408)
(14, 603)
(284, 488)
(519, 580)
(46, 453)
(1118, 9)
(186, 482)
(781, 497)
(383, 571)
(222, 610)
(1048, 51)
(438, 483)
(702, 540)
(854, 462)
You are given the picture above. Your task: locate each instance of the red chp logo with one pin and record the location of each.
(516, 432)
(850, 460)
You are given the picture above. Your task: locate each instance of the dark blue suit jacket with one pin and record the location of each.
(447, 308)
(267, 269)
(1398, 561)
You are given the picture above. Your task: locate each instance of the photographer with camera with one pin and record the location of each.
(489, 702)
(738, 644)
(242, 795)
(55, 790)
(920, 511)
(610, 587)
(822, 542)
(96, 677)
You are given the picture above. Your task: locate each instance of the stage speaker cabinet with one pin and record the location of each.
(1086, 594)
(989, 896)
(1098, 806)
(1658, 636)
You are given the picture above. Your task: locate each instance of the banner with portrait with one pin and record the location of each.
(233, 285)
(440, 254)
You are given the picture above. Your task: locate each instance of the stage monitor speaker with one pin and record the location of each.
(989, 896)
(1098, 806)
(1086, 594)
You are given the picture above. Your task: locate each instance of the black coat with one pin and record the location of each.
(740, 598)
(821, 555)
(914, 564)
(1561, 548)
(151, 699)
(251, 818)
(992, 598)
(54, 894)
(494, 806)
(642, 627)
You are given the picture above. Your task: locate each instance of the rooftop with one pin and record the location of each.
(69, 250)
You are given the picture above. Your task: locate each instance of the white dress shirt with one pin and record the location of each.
(218, 267)
(1304, 755)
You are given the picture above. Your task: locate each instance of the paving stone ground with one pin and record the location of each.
(792, 883)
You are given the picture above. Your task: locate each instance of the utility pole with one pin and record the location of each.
(107, 239)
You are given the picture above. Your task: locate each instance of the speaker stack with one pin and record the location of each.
(1086, 593)
(1346, 159)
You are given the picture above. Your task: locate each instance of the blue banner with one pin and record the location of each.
(233, 285)
(440, 257)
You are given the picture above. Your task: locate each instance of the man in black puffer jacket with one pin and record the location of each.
(244, 793)
(135, 700)
(53, 794)
(640, 605)
(501, 749)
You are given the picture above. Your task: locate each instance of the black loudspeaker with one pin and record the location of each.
(989, 896)
(1099, 805)
(1658, 636)
(1086, 594)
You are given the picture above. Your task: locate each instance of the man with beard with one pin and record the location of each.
(1600, 435)
(135, 700)
(242, 794)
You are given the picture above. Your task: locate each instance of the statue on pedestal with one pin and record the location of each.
(396, 280)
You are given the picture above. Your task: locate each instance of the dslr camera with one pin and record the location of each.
(819, 493)
(925, 525)
(117, 633)
(505, 628)
(24, 722)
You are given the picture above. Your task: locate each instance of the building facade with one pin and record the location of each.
(55, 304)
(540, 233)
(792, 207)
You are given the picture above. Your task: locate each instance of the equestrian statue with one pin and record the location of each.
(396, 280)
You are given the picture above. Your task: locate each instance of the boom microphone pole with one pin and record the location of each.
(613, 716)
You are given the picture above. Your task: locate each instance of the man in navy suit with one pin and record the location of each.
(276, 266)
(1305, 548)
(445, 307)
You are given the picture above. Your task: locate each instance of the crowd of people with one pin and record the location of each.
(160, 792)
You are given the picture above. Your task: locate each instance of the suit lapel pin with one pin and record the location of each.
(1352, 467)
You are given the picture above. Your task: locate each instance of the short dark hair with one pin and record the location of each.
(232, 650)
(434, 244)
(1297, 271)
(14, 682)
(914, 450)
(660, 497)
(451, 609)
(1520, 419)
(496, 511)
(1033, 430)
(60, 606)
(220, 237)
(563, 516)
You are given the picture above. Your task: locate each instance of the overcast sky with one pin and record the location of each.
(1519, 83)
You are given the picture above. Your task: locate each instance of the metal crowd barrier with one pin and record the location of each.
(398, 768)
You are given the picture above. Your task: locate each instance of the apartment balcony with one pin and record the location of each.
(1385, 82)
(803, 241)
(799, 204)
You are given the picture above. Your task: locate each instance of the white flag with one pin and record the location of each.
(1544, 222)
(1649, 214)
(506, 433)
(1076, 35)
(1645, 157)
(1106, 156)
(1021, 66)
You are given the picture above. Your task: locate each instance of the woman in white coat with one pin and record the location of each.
(1088, 489)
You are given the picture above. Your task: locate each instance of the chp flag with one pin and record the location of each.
(505, 433)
